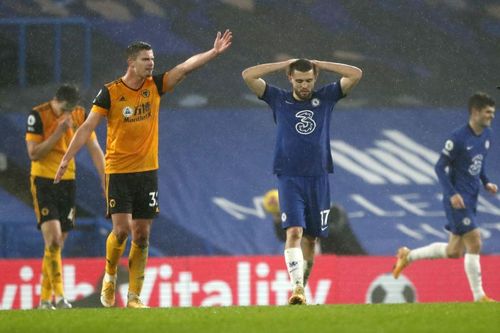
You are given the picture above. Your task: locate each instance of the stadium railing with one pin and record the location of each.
(58, 24)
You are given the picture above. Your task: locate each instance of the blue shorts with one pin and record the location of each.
(305, 202)
(460, 221)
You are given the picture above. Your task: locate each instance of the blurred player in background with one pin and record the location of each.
(131, 105)
(340, 240)
(50, 128)
(302, 158)
(461, 170)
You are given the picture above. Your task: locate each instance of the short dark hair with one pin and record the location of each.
(68, 93)
(136, 47)
(479, 101)
(301, 65)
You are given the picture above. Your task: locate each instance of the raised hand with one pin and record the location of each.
(223, 41)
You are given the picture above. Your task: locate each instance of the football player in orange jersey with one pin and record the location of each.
(131, 105)
(50, 128)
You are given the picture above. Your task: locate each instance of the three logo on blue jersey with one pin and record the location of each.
(306, 125)
(475, 167)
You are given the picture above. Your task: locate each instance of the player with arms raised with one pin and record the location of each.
(302, 159)
(131, 105)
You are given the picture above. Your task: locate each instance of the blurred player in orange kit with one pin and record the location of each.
(50, 128)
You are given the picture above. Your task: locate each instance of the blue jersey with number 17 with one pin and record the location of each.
(303, 130)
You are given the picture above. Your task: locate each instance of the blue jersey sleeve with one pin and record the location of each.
(440, 169)
(332, 92)
(484, 179)
(271, 95)
(448, 154)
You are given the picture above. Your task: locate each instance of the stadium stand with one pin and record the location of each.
(424, 52)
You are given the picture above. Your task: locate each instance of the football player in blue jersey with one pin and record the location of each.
(464, 155)
(302, 158)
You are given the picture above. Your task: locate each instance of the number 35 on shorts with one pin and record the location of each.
(153, 202)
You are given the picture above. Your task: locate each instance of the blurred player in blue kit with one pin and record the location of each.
(302, 159)
(464, 156)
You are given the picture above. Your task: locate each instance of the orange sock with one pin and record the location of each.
(53, 265)
(137, 260)
(114, 250)
(46, 286)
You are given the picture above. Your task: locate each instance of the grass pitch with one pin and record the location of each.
(407, 318)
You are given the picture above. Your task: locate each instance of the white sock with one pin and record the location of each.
(432, 251)
(295, 264)
(473, 271)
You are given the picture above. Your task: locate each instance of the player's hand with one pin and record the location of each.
(457, 201)
(492, 188)
(316, 64)
(60, 171)
(65, 123)
(223, 41)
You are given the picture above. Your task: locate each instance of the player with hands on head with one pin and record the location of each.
(461, 171)
(50, 128)
(131, 105)
(302, 159)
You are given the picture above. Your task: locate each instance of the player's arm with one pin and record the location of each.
(253, 75)
(178, 73)
(38, 150)
(456, 199)
(488, 185)
(350, 74)
(97, 156)
(80, 138)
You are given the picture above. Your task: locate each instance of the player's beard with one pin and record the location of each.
(303, 95)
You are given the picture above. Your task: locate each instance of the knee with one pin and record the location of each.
(141, 240)
(474, 248)
(121, 234)
(55, 243)
(140, 236)
(294, 234)
(454, 253)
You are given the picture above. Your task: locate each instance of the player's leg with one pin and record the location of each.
(137, 260)
(316, 217)
(294, 259)
(119, 208)
(293, 221)
(308, 251)
(62, 302)
(435, 250)
(472, 265)
(45, 212)
(45, 289)
(145, 209)
(405, 256)
(65, 200)
(115, 246)
(52, 262)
